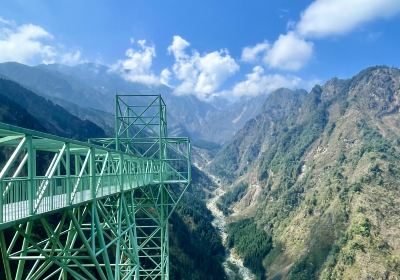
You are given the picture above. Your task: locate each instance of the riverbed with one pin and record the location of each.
(233, 264)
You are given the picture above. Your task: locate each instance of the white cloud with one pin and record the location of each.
(137, 66)
(215, 68)
(289, 52)
(252, 54)
(178, 47)
(328, 17)
(201, 75)
(4, 21)
(71, 58)
(293, 50)
(25, 44)
(31, 44)
(165, 76)
(257, 82)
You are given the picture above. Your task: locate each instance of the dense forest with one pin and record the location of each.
(251, 243)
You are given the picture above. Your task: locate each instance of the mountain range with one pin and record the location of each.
(313, 181)
(310, 179)
(22, 107)
(88, 90)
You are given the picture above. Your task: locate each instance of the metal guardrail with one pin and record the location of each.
(78, 172)
(113, 198)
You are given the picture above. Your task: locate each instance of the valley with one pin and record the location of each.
(304, 187)
(320, 161)
(200, 140)
(233, 264)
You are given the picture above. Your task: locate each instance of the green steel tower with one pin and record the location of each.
(97, 210)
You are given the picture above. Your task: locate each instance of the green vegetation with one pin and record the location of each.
(329, 171)
(251, 243)
(242, 154)
(230, 197)
(195, 247)
(203, 144)
(329, 174)
(50, 117)
(201, 184)
(196, 250)
(285, 156)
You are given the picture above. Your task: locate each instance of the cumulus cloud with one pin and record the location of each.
(257, 82)
(201, 75)
(136, 67)
(289, 52)
(25, 44)
(293, 50)
(329, 17)
(253, 54)
(178, 46)
(31, 44)
(215, 68)
(204, 74)
(165, 76)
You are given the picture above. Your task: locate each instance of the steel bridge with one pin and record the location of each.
(96, 210)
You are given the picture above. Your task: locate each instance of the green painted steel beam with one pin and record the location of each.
(113, 194)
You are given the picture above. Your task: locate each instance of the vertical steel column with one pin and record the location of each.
(68, 173)
(164, 198)
(92, 173)
(77, 164)
(92, 183)
(117, 271)
(117, 146)
(31, 173)
(121, 172)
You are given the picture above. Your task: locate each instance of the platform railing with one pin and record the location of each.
(98, 172)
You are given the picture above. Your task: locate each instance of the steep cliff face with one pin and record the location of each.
(250, 142)
(322, 172)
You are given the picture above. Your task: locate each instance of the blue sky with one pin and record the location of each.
(197, 47)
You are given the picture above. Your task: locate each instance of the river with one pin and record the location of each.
(233, 264)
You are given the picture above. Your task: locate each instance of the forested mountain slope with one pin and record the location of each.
(24, 108)
(257, 134)
(196, 247)
(316, 181)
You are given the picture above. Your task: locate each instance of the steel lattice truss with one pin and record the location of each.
(98, 210)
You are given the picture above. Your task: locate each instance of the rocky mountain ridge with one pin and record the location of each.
(314, 177)
(90, 88)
